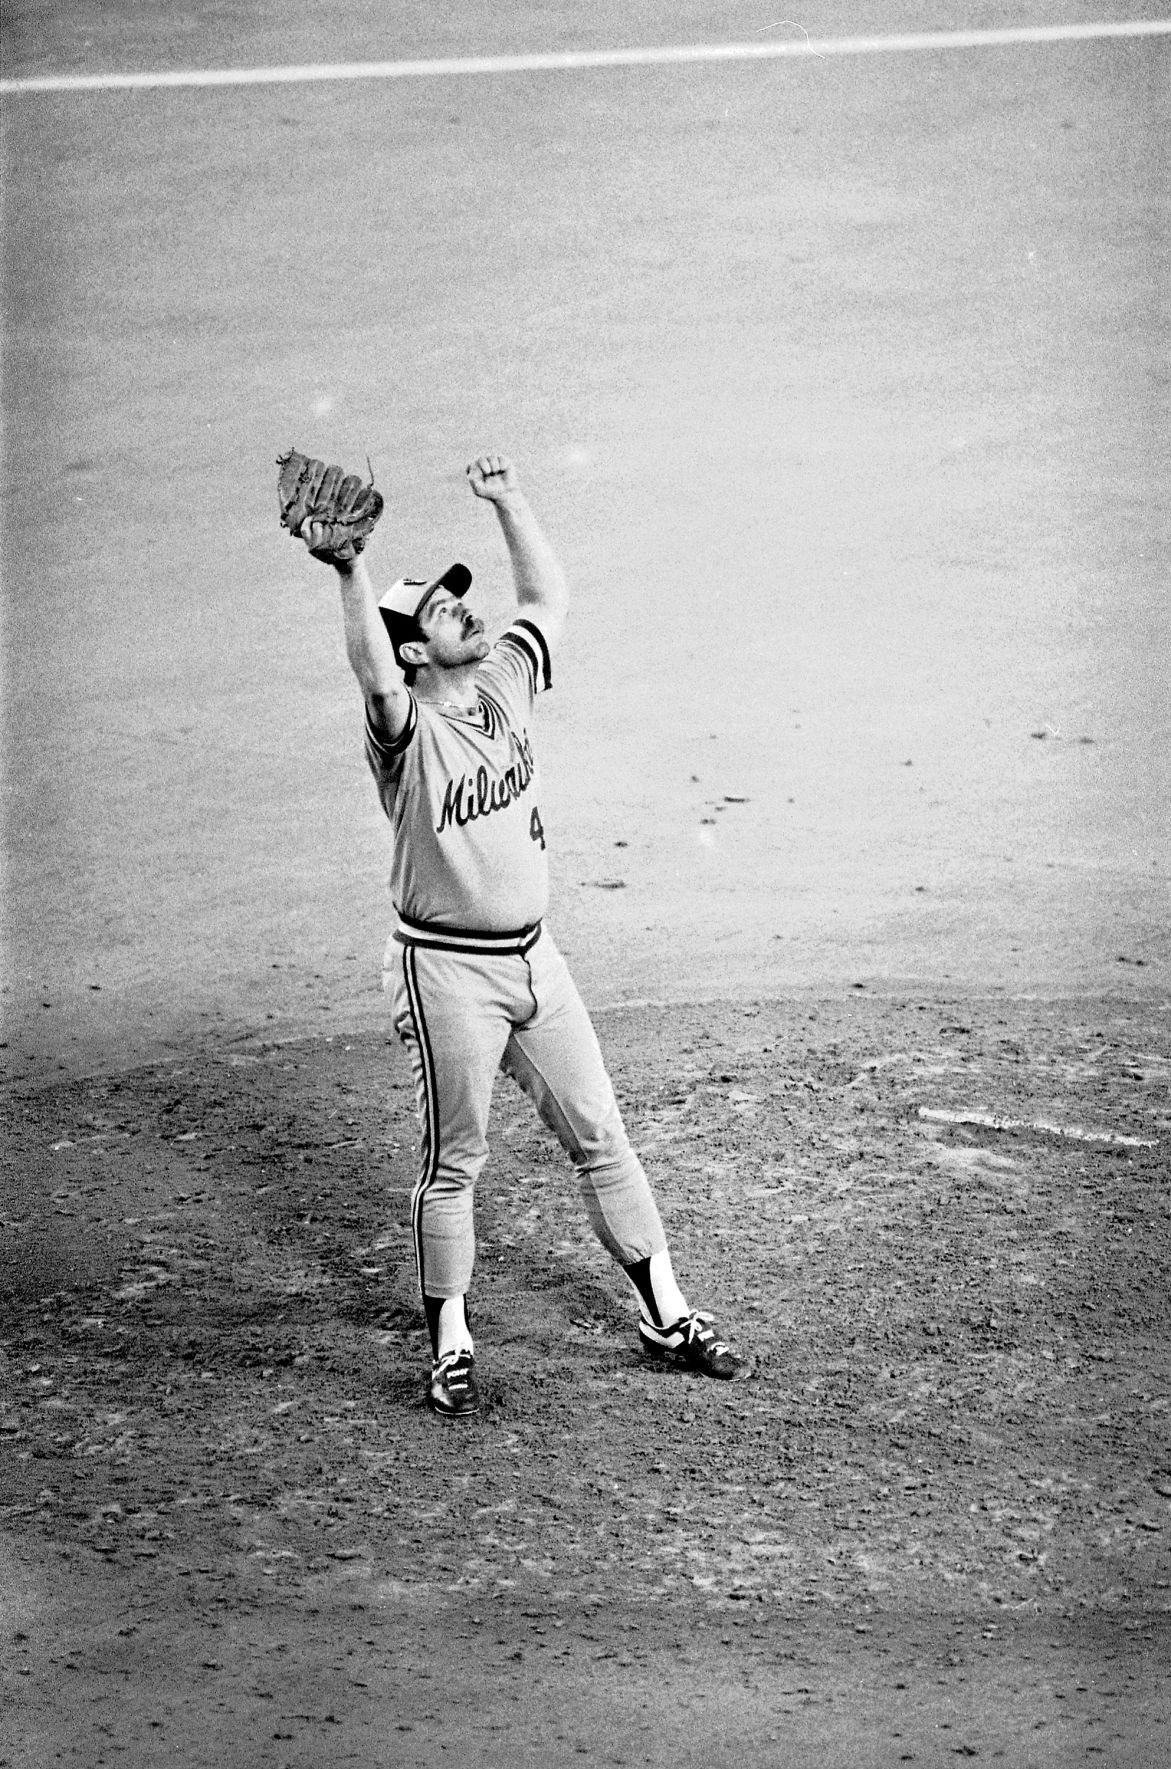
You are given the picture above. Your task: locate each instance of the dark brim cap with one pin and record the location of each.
(410, 595)
(405, 601)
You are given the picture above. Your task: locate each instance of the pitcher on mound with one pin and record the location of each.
(474, 977)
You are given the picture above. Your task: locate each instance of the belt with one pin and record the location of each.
(410, 932)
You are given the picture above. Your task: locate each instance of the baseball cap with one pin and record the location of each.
(405, 601)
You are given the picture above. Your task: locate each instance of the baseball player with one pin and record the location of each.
(475, 980)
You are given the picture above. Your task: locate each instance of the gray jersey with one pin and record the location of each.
(461, 793)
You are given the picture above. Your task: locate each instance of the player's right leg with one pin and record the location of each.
(451, 1019)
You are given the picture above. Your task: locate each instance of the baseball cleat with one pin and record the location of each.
(692, 1343)
(452, 1390)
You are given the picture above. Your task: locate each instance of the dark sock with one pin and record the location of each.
(431, 1308)
(640, 1276)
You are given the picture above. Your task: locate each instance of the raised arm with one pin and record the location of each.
(369, 649)
(536, 569)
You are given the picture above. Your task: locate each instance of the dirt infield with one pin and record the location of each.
(934, 1521)
(839, 386)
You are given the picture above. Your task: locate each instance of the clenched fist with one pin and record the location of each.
(493, 477)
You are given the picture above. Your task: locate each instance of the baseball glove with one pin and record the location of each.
(345, 506)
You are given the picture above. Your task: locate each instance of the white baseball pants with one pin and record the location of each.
(466, 1006)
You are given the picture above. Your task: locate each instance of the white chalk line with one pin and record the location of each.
(673, 55)
(987, 1121)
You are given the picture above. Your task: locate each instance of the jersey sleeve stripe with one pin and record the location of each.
(542, 664)
(400, 742)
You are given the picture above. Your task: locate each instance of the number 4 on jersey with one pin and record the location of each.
(536, 831)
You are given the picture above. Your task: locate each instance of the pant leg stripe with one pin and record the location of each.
(430, 1152)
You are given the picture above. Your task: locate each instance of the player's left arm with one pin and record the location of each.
(541, 588)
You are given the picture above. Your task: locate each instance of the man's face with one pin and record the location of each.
(454, 635)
